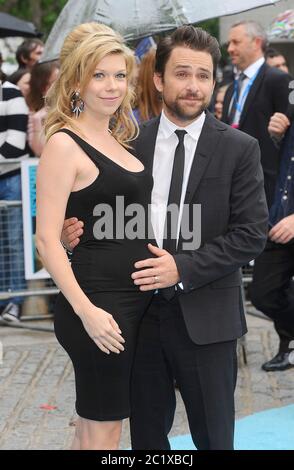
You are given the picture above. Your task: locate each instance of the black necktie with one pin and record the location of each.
(237, 90)
(174, 197)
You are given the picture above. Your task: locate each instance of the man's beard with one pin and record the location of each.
(179, 112)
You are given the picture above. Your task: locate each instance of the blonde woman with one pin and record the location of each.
(85, 164)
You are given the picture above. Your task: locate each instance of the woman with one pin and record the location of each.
(219, 100)
(42, 77)
(84, 164)
(21, 78)
(149, 102)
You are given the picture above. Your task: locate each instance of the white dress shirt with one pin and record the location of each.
(166, 143)
(249, 72)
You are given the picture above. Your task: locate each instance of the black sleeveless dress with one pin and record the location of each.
(103, 267)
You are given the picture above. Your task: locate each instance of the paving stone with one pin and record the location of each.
(36, 371)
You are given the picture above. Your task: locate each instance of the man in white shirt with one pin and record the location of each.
(258, 92)
(263, 93)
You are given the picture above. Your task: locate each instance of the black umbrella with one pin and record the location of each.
(12, 26)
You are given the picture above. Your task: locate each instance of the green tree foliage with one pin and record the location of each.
(42, 13)
(212, 26)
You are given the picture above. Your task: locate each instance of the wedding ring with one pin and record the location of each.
(156, 279)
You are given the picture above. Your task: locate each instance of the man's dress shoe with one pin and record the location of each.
(279, 362)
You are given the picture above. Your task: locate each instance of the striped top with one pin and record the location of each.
(13, 127)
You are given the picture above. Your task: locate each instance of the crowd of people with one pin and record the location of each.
(22, 135)
(137, 314)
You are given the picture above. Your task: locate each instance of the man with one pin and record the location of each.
(275, 59)
(272, 289)
(190, 329)
(13, 127)
(257, 93)
(29, 53)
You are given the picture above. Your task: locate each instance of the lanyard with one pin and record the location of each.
(241, 101)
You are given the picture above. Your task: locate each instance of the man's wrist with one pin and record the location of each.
(68, 252)
(277, 139)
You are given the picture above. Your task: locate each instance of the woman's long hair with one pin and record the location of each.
(82, 50)
(149, 101)
(39, 82)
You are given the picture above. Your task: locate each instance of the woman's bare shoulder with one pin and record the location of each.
(59, 145)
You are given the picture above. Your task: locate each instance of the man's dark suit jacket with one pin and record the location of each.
(268, 95)
(226, 179)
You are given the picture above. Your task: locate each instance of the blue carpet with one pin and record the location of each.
(267, 430)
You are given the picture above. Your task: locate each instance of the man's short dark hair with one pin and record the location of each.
(25, 49)
(270, 53)
(187, 36)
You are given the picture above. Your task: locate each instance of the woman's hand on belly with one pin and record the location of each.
(102, 329)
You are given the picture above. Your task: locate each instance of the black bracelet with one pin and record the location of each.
(68, 252)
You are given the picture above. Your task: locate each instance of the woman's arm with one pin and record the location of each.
(57, 171)
(36, 136)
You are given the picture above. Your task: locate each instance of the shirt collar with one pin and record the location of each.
(167, 127)
(253, 68)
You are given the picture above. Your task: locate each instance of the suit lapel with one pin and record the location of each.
(145, 143)
(252, 93)
(227, 101)
(205, 149)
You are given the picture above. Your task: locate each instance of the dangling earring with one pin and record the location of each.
(77, 104)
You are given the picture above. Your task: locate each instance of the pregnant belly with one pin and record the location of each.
(108, 266)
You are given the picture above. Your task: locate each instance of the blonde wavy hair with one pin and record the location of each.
(82, 50)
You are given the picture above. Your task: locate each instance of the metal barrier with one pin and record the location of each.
(11, 252)
(12, 280)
